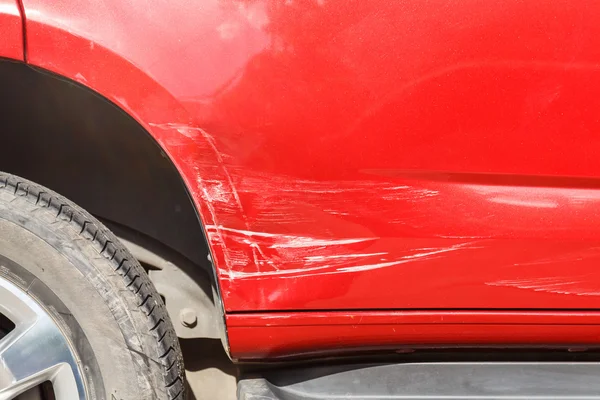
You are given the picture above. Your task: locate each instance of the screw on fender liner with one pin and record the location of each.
(188, 317)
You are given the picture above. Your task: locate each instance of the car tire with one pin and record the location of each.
(98, 319)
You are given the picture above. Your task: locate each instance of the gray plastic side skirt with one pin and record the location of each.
(468, 380)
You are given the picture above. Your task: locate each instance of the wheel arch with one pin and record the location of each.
(74, 140)
(152, 63)
(109, 49)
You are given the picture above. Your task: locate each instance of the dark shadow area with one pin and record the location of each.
(201, 354)
(71, 140)
(210, 373)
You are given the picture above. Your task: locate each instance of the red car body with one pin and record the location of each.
(368, 173)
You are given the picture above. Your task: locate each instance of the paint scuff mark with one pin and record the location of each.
(216, 192)
(290, 256)
(122, 101)
(300, 209)
(343, 256)
(416, 194)
(557, 284)
(519, 202)
(299, 241)
(287, 241)
(423, 255)
(185, 130)
(80, 78)
(292, 272)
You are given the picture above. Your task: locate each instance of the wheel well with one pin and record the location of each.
(66, 137)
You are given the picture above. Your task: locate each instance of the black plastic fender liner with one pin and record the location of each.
(465, 380)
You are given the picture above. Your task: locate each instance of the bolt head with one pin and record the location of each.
(188, 317)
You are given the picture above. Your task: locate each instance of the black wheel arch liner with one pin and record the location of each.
(77, 142)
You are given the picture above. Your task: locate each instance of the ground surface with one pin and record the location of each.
(210, 373)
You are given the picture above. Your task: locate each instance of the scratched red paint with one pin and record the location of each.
(364, 154)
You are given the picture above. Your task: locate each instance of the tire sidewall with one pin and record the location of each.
(90, 292)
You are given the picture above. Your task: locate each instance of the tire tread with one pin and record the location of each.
(168, 357)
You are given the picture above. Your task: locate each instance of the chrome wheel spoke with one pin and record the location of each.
(35, 350)
(27, 359)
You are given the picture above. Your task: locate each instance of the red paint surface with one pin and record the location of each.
(364, 154)
(11, 30)
(269, 335)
